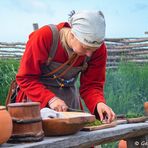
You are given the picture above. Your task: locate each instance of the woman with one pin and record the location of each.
(54, 57)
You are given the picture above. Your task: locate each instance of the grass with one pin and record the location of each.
(126, 89)
(8, 70)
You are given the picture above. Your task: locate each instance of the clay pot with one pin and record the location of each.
(122, 144)
(146, 108)
(5, 125)
(27, 122)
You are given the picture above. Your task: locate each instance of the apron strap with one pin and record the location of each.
(72, 58)
(55, 39)
(70, 66)
(11, 96)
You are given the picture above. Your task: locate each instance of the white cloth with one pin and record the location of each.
(88, 27)
(47, 113)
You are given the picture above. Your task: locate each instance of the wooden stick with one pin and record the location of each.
(13, 43)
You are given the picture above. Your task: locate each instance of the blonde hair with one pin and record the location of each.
(63, 34)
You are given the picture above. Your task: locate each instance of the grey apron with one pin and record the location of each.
(69, 92)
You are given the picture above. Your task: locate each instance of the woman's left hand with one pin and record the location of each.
(104, 109)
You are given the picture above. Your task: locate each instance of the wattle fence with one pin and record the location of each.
(128, 50)
(119, 49)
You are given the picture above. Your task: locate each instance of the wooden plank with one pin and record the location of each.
(99, 127)
(87, 139)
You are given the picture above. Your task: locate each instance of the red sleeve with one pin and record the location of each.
(36, 53)
(93, 79)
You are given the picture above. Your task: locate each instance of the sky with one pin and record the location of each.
(124, 18)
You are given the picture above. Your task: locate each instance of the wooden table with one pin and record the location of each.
(135, 134)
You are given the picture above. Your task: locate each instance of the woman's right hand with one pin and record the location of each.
(57, 104)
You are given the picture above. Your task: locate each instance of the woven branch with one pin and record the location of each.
(126, 40)
(12, 44)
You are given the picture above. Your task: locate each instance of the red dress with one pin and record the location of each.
(36, 53)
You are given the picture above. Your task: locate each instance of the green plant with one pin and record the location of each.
(8, 70)
(126, 88)
(95, 123)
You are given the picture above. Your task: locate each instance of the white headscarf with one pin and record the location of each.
(88, 27)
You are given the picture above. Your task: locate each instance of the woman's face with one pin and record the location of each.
(80, 48)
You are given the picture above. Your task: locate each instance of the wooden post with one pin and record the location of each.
(35, 26)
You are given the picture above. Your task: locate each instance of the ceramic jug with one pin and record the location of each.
(5, 125)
